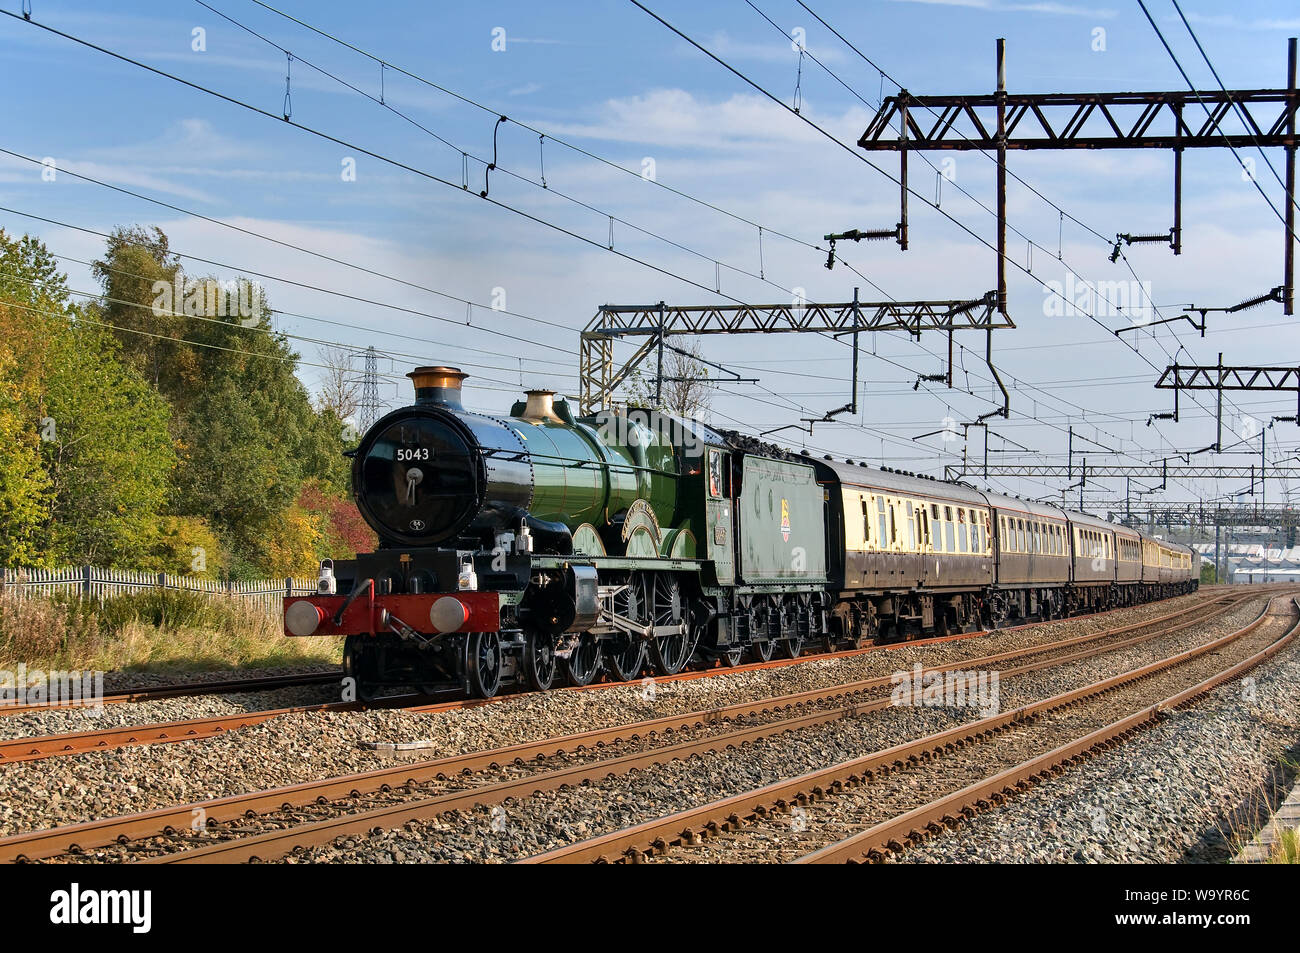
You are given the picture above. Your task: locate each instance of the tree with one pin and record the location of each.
(30, 285)
(162, 427)
(137, 263)
(186, 546)
(340, 388)
(69, 406)
(685, 392)
(345, 533)
(24, 484)
(109, 454)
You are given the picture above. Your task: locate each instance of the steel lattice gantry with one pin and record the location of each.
(1204, 514)
(1222, 377)
(1157, 120)
(600, 377)
(1137, 471)
(1002, 121)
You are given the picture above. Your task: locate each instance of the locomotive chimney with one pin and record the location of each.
(438, 385)
(540, 406)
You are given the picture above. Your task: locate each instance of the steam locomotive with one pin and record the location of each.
(539, 547)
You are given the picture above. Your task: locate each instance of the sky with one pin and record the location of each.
(629, 122)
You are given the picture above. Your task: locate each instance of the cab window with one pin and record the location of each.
(717, 488)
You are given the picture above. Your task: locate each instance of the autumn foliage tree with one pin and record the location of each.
(147, 430)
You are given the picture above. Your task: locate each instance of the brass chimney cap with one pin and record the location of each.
(437, 376)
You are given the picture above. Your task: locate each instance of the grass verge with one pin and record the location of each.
(158, 630)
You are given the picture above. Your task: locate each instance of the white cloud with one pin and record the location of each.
(675, 118)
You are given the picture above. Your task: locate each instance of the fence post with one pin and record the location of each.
(288, 587)
(85, 583)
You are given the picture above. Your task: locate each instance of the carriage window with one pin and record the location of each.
(911, 527)
(881, 522)
(866, 522)
(963, 532)
(949, 532)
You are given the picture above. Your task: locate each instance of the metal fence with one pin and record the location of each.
(90, 582)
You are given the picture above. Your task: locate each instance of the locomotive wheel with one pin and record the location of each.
(352, 668)
(583, 664)
(731, 658)
(761, 645)
(790, 644)
(662, 601)
(624, 654)
(483, 663)
(539, 660)
(624, 657)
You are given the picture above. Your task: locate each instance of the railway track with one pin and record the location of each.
(268, 682)
(756, 825)
(71, 743)
(176, 825)
(255, 683)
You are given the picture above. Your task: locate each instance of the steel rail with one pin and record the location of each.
(917, 825)
(77, 838)
(32, 748)
(277, 843)
(256, 683)
(692, 826)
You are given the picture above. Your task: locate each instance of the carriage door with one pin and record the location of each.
(719, 527)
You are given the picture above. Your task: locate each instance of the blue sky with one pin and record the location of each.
(606, 77)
